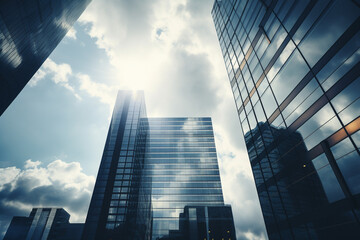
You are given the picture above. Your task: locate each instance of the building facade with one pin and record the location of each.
(204, 222)
(182, 169)
(151, 170)
(294, 72)
(29, 32)
(121, 203)
(44, 224)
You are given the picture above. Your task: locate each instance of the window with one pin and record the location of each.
(328, 30)
(347, 103)
(289, 76)
(319, 126)
(328, 179)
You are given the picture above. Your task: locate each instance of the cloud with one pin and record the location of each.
(71, 34)
(157, 46)
(170, 50)
(103, 92)
(31, 164)
(239, 189)
(59, 184)
(63, 75)
(59, 73)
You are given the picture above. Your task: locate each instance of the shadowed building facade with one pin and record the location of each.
(204, 222)
(294, 72)
(151, 170)
(29, 31)
(44, 224)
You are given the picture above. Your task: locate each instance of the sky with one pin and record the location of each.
(53, 134)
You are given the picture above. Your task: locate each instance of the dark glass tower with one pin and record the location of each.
(294, 70)
(152, 169)
(29, 31)
(121, 203)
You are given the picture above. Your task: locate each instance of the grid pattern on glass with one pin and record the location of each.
(181, 165)
(125, 169)
(97, 199)
(115, 207)
(294, 71)
(29, 31)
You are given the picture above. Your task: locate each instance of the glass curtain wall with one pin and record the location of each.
(121, 204)
(29, 31)
(294, 72)
(181, 164)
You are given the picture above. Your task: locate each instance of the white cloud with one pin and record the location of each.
(40, 74)
(71, 34)
(105, 93)
(239, 188)
(31, 164)
(170, 50)
(59, 73)
(59, 184)
(7, 175)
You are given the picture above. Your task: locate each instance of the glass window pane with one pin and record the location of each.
(302, 101)
(328, 30)
(356, 138)
(289, 76)
(342, 148)
(268, 101)
(319, 126)
(328, 180)
(347, 102)
(350, 167)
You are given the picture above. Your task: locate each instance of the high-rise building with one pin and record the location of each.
(29, 31)
(151, 170)
(121, 203)
(294, 71)
(44, 224)
(182, 169)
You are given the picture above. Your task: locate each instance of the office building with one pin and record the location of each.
(151, 170)
(121, 203)
(29, 31)
(44, 224)
(204, 222)
(182, 167)
(294, 72)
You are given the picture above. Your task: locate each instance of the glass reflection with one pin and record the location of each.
(182, 170)
(309, 53)
(294, 189)
(29, 32)
(199, 222)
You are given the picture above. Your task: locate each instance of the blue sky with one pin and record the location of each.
(53, 134)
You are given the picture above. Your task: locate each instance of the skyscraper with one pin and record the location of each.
(151, 170)
(121, 203)
(294, 72)
(182, 167)
(29, 31)
(44, 224)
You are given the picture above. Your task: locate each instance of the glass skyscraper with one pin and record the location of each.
(181, 164)
(29, 31)
(151, 170)
(121, 201)
(44, 224)
(294, 71)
